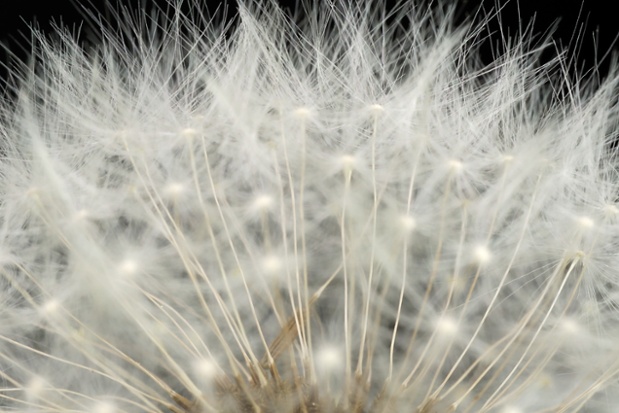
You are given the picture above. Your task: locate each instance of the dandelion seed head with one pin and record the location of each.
(611, 211)
(104, 407)
(50, 308)
(570, 327)
(446, 327)
(35, 388)
(263, 203)
(82, 215)
(511, 409)
(348, 162)
(455, 166)
(376, 109)
(306, 215)
(585, 223)
(174, 190)
(408, 223)
(272, 265)
(189, 133)
(329, 359)
(128, 267)
(482, 255)
(303, 112)
(206, 370)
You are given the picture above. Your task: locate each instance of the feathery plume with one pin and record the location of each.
(347, 213)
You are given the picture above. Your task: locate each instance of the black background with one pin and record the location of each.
(586, 28)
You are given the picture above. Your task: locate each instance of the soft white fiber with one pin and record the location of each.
(345, 213)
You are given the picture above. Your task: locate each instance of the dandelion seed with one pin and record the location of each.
(343, 214)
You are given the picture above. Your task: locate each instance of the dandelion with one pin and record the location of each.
(339, 214)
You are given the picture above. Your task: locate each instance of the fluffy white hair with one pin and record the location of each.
(347, 213)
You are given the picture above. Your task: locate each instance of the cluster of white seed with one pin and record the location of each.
(345, 215)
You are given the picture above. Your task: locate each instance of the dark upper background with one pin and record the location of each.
(594, 24)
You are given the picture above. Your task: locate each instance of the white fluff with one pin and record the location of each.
(338, 216)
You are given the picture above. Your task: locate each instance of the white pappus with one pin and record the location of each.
(343, 213)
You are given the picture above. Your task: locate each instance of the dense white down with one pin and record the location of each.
(339, 215)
